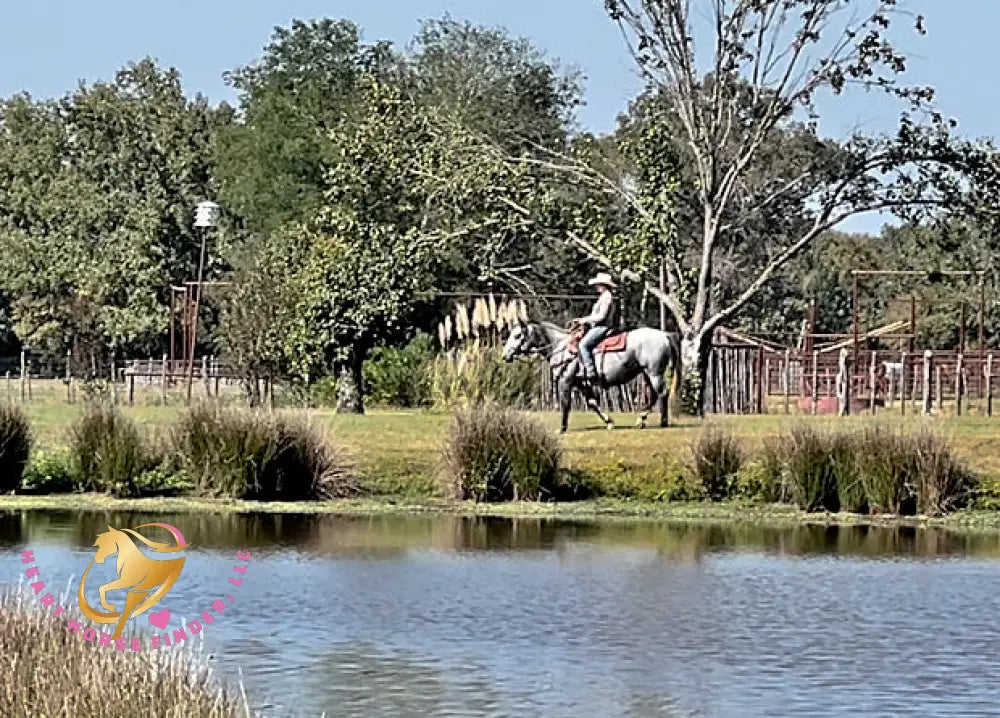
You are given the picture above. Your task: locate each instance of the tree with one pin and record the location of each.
(768, 60)
(272, 163)
(96, 194)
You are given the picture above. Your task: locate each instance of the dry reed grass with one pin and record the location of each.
(50, 671)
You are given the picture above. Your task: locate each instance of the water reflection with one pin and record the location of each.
(393, 536)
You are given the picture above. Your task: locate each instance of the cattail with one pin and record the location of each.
(447, 328)
(441, 335)
(522, 310)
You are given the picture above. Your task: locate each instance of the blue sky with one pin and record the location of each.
(49, 46)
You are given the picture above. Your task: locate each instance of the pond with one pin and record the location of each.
(451, 616)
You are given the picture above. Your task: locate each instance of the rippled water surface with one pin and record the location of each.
(449, 616)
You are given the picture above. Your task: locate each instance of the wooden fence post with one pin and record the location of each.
(131, 383)
(815, 378)
(844, 384)
(29, 380)
(767, 378)
(163, 380)
(938, 386)
(958, 386)
(928, 365)
(204, 376)
(788, 380)
(24, 377)
(69, 378)
(872, 382)
(902, 389)
(892, 389)
(114, 383)
(9, 395)
(989, 385)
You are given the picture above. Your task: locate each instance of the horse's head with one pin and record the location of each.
(107, 544)
(525, 338)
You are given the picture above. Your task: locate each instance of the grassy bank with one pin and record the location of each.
(397, 455)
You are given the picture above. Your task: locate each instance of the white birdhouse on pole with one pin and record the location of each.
(206, 214)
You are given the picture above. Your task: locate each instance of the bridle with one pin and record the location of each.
(547, 351)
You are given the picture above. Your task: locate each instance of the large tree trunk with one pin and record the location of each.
(350, 399)
(696, 350)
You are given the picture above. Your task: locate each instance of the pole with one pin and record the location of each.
(663, 290)
(194, 318)
(961, 330)
(928, 371)
(815, 379)
(24, 377)
(854, 308)
(913, 324)
(989, 385)
(173, 312)
(958, 386)
(69, 378)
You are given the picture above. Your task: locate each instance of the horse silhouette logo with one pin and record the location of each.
(145, 580)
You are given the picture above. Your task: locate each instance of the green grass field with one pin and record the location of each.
(400, 449)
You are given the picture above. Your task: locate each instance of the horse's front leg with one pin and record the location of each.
(565, 402)
(591, 397)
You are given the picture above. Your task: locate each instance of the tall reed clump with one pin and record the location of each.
(15, 447)
(873, 470)
(49, 671)
(717, 458)
(470, 368)
(108, 453)
(495, 454)
(257, 457)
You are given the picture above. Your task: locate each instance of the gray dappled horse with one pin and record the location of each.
(648, 352)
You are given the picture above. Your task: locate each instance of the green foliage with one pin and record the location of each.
(108, 453)
(670, 482)
(271, 166)
(162, 481)
(15, 447)
(479, 375)
(256, 457)
(717, 458)
(495, 454)
(401, 377)
(50, 472)
(97, 190)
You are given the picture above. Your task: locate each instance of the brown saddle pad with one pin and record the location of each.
(615, 342)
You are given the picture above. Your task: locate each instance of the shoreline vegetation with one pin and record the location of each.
(775, 515)
(771, 469)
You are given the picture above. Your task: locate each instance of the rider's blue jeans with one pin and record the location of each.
(588, 344)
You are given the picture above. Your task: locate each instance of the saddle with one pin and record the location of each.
(614, 342)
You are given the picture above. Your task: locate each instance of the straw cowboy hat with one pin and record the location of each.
(602, 278)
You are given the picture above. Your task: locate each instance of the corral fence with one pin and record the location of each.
(919, 381)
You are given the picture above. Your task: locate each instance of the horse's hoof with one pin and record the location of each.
(640, 425)
(611, 425)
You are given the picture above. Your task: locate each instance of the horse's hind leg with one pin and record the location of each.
(660, 389)
(655, 389)
(565, 403)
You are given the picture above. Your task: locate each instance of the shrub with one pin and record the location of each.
(107, 452)
(401, 377)
(51, 671)
(481, 376)
(811, 470)
(716, 460)
(15, 447)
(873, 470)
(258, 457)
(495, 454)
(50, 473)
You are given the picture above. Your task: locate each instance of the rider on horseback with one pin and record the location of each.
(602, 320)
